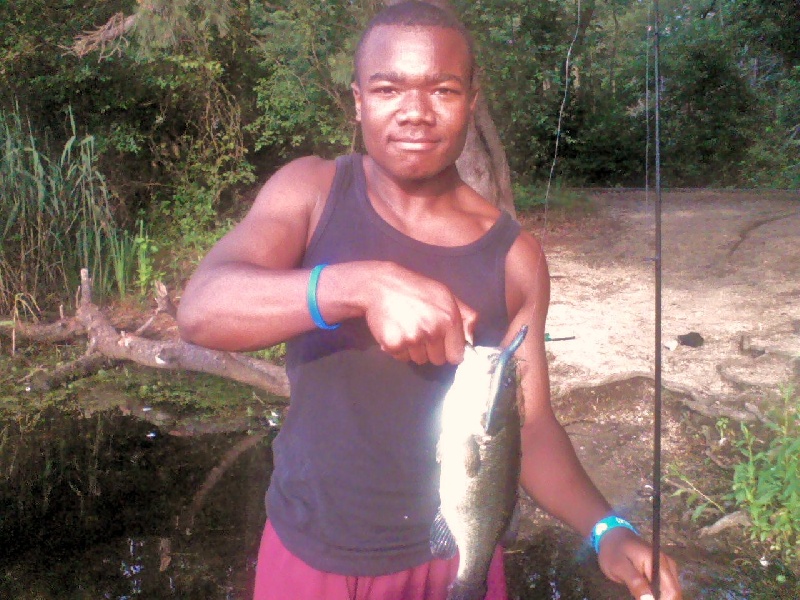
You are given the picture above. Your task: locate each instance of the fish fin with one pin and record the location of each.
(443, 544)
(473, 457)
(512, 530)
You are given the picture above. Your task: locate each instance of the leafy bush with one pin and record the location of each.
(767, 483)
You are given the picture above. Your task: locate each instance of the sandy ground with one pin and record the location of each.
(731, 272)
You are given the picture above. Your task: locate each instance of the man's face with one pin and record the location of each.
(414, 99)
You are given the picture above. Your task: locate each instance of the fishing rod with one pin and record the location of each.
(657, 403)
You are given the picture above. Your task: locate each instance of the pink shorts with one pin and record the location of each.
(282, 576)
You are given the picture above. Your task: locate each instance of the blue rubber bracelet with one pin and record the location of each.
(603, 526)
(311, 299)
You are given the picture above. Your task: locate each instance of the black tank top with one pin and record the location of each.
(355, 485)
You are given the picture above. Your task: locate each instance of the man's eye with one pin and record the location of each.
(446, 91)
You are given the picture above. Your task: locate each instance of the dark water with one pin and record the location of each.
(109, 507)
(100, 508)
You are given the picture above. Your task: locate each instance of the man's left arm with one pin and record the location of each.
(551, 472)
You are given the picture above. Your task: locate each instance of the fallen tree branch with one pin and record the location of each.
(107, 344)
(63, 330)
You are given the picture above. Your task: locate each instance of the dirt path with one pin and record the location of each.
(731, 272)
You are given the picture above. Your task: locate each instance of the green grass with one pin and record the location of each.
(530, 198)
(55, 218)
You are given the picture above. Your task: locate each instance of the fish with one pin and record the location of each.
(479, 453)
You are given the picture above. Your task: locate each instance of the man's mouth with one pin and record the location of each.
(412, 143)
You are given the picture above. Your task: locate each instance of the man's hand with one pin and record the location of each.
(626, 558)
(416, 318)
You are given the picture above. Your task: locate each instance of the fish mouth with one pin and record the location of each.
(506, 354)
(501, 378)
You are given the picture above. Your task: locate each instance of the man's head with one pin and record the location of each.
(414, 14)
(413, 90)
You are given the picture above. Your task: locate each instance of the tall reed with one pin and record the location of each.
(55, 216)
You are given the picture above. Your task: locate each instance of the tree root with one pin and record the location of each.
(737, 519)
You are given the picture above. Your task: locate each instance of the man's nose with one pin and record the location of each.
(416, 107)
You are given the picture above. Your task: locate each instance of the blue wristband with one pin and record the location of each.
(603, 526)
(311, 299)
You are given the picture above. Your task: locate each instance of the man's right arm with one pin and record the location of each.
(249, 292)
(244, 294)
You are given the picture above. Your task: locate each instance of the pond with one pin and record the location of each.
(110, 506)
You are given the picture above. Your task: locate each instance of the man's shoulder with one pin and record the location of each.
(299, 182)
(526, 270)
(307, 170)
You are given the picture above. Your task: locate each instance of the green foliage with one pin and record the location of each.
(304, 98)
(708, 108)
(767, 483)
(521, 47)
(145, 249)
(56, 216)
(774, 158)
(202, 151)
(701, 503)
(122, 254)
(169, 24)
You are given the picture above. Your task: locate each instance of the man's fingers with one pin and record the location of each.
(638, 585)
(454, 346)
(436, 353)
(419, 354)
(468, 319)
(670, 579)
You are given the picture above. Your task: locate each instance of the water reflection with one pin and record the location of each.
(98, 508)
(110, 507)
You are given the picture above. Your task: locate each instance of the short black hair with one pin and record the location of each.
(414, 13)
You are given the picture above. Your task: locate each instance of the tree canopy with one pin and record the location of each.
(189, 102)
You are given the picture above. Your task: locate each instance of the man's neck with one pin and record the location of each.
(414, 194)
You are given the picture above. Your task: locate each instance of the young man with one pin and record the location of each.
(419, 265)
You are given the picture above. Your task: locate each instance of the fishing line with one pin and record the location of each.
(657, 408)
(567, 67)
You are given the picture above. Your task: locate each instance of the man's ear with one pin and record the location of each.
(357, 98)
